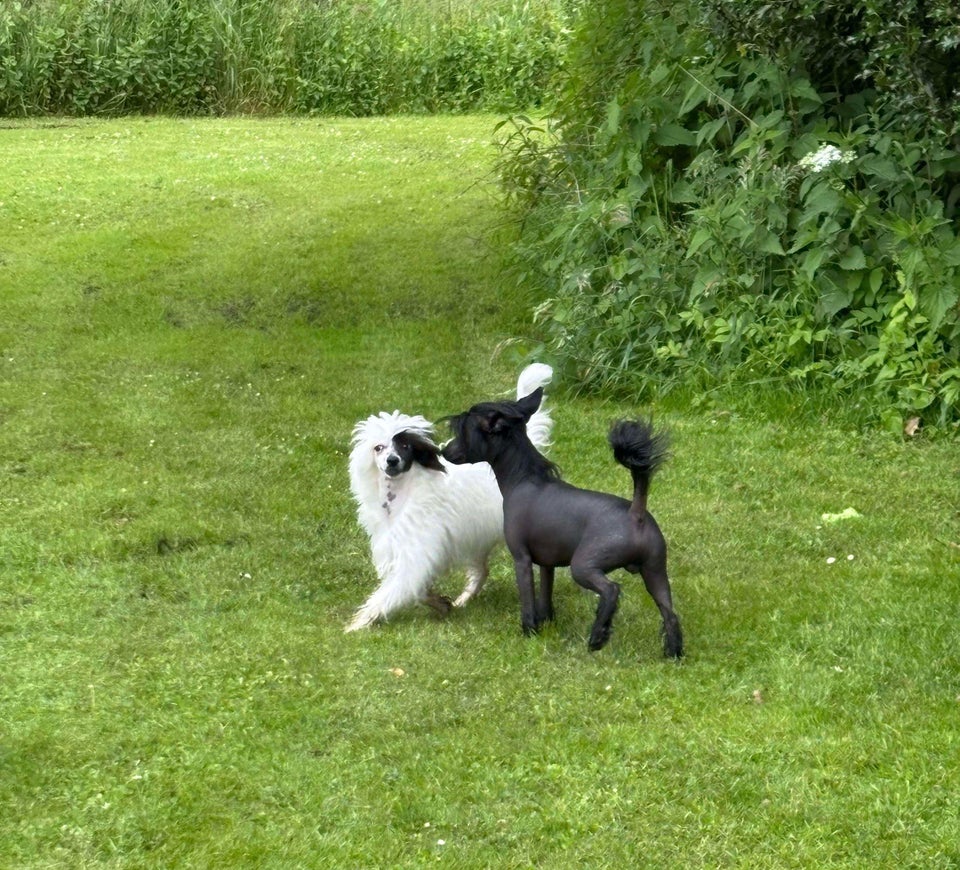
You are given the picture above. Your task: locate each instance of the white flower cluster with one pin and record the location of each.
(824, 156)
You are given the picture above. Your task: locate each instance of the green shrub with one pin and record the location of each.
(334, 57)
(907, 50)
(700, 217)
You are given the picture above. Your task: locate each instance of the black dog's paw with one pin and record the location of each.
(603, 624)
(673, 648)
(598, 639)
(672, 638)
(544, 614)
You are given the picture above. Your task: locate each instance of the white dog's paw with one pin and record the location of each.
(361, 620)
(462, 599)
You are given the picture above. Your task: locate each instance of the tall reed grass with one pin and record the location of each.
(196, 57)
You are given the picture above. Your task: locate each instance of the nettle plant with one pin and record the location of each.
(723, 224)
(827, 256)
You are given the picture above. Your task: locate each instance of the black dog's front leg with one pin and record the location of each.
(523, 566)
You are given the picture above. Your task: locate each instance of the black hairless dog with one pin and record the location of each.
(552, 524)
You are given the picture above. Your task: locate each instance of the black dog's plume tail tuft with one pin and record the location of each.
(641, 450)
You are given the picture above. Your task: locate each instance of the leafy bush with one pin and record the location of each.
(701, 217)
(337, 56)
(907, 50)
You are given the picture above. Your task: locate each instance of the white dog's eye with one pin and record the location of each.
(378, 448)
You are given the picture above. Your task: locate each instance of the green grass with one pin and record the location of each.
(192, 317)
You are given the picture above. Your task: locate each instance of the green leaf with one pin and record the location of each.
(705, 280)
(882, 168)
(613, 117)
(951, 254)
(700, 238)
(709, 130)
(659, 73)
(811, 262)
(820, 199)
(936, 301)
(806, 235)
(803, 89)
(696, 94)
(853, 279)
(670, 135)
(640, 133)
(769, 243)
(853, 258)
(682, 191)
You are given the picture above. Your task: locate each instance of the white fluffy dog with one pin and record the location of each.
(424, 515)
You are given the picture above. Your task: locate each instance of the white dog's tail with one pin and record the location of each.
(540, 425)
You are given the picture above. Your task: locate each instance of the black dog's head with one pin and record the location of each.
(404, 449)
(480, 433)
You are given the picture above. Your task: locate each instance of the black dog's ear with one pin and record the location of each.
(490, 420)
(528, 404)
(424, 451)
(495, 421)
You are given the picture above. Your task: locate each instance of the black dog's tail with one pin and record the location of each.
(637, 447)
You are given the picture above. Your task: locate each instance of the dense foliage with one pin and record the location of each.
(84, 57)
(727, 195)
(908, 50)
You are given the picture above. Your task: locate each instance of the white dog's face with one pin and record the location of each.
(391, 458)
(397, 456)
(388, 445)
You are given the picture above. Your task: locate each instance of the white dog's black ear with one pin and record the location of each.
(425, 452)
(528, 404)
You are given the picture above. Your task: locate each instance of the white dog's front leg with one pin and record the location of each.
(406, 581)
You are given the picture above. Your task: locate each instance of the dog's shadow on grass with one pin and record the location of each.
(495, 613)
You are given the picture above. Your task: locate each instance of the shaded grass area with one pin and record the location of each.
(192, 317)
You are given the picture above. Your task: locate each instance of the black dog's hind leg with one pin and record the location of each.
(544, 605)
(655, 579)
(523, 566)
(596, 581)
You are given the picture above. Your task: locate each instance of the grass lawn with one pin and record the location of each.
(193, 315)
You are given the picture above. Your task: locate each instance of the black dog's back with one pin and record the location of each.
(557, 521)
